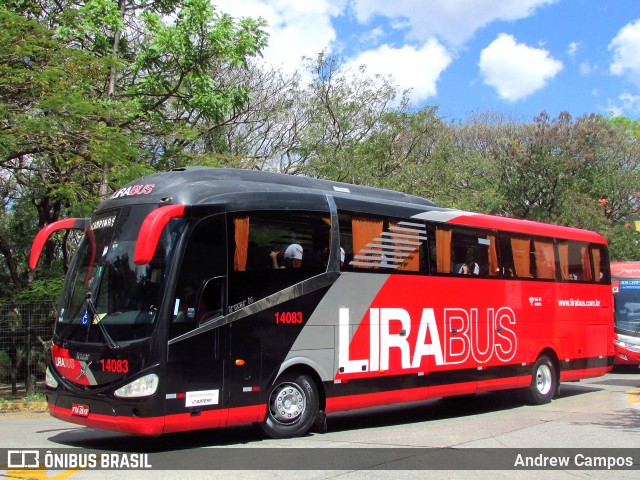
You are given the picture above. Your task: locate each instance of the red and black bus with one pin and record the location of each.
(626, 295)
(200, 298)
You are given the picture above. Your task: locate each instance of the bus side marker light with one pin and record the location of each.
(239, 362)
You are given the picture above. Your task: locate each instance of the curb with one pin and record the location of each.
(23, 406)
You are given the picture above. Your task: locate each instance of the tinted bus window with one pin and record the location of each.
(199, 290)
(576, 264)
(527, 257)
(601, 269)
(382, 244)
(463, 251)
(274, 250)
(473, 253)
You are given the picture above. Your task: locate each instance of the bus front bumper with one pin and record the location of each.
(101, 415)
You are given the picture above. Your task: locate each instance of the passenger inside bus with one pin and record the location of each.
(290, 257)
(469, 268)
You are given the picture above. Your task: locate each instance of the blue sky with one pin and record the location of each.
(515, 57)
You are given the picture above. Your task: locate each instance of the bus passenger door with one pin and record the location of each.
(197, 343)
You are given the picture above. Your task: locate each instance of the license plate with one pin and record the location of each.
(80, 410)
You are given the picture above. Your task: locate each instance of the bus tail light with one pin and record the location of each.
(142, 387)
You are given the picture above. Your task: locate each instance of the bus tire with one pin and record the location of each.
(543, 382)
(292, 406)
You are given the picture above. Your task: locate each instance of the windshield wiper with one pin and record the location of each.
(96, 320)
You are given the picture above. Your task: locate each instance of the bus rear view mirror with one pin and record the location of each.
(150, 232)
(48, 230)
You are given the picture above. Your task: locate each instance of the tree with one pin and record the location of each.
(344, 108)
(110, 91)
(56, 138)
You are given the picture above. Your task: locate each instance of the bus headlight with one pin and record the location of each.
(619, 343)
(49, 379)
(142, 387)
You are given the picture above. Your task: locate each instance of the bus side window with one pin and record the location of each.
(440, 249)
(212, 299)
(272, 250)
(204, 258)
(515, 254)
(544, 258)
(602, 273)
(473, 252)
(575, 261)
(383, 244)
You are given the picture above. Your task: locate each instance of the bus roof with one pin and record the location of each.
(206, 184)
(528, 227)
(193, 186)
(625, 269)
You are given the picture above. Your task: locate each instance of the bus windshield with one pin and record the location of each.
(109, 299)
(627, 307)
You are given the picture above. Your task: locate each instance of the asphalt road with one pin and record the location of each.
(596, 417)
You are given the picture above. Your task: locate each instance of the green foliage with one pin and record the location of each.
(42, 290)
(624, 243)
(94, 94)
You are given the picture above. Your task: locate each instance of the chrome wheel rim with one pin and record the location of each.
(288, 403)
(544, 380)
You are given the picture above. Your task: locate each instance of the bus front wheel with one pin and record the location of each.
(292, 406)
(543, 382)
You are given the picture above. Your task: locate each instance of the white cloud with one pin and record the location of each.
(625, 47)
(455, 21)
(296, 29)
(626, 104)
(300, 29)
(516, 70)
(415, 68)
(572, 49)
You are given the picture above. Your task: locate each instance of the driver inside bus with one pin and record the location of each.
(188, 302)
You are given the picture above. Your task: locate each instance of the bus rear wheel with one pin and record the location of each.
(292, 406)
(543, 382)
